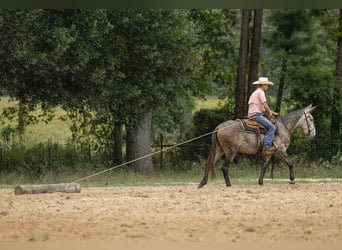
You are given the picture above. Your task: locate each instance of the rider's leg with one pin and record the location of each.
(269, 137)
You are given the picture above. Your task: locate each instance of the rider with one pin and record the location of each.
(257, 105)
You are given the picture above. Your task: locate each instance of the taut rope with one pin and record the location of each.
(145, 156)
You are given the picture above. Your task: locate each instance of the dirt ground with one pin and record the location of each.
(270, 213)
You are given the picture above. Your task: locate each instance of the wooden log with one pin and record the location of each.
(48, 188)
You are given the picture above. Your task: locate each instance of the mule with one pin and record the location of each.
(230, 138)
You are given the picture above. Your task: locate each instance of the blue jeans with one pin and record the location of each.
(269, 137)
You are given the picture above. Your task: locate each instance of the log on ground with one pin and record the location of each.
(48, 188)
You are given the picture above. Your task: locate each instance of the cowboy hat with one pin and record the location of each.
(263, 80)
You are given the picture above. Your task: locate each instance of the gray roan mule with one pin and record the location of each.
(229, 139)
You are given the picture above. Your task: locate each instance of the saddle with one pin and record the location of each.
(251, 125)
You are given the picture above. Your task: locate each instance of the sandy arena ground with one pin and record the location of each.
(270, 213)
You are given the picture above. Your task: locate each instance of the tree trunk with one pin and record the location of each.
(117, 148)
(138, 144)
(337, 102)
(22, 115)
(255, 53)
(282, 82)
(240, 91)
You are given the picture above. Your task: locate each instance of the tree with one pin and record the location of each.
(301, 45)
(255, 53)
(336, 114)
(50, 57)
(217, 41)
(292, 32)
(240, 91)
(158, 60)
(20, 66)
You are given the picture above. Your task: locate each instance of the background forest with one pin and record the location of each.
(123, 82)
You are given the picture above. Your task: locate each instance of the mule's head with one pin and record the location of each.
(306, 122)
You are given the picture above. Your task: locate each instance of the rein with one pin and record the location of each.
(281, 118)
(307, 123)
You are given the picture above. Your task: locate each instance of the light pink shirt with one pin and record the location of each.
(256, 102)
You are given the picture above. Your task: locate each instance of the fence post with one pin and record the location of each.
(161, 150)
(0, 154)
(89, 151)
(49, 150)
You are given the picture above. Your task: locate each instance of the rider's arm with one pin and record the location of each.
(268, 110)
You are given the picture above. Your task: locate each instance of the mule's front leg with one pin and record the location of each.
(263, 170)
(289, 163)
(292, 176)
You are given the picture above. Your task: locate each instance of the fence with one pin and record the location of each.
(317, 148)
(40, 156)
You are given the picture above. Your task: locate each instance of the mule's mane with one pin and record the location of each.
(292, 117)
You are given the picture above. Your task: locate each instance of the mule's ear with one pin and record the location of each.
(310, 108)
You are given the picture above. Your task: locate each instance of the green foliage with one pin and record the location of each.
(205, 121)
(7, 133)
(301, 52)
(218, 42)
(51, 57)
(35, 159)
(244, 172)
(105, 66)
(334, 163)
(157, 62)
(174, 123)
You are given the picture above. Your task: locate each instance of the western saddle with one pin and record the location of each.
(251, 125)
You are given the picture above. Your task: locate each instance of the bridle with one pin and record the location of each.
(307, 124)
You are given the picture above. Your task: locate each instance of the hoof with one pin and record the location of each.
(201, 184)
(292, 182)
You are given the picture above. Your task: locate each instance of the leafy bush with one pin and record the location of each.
(36, 159)
(205, 121)
(7, 133)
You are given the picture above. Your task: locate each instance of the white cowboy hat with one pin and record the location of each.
(263, 80)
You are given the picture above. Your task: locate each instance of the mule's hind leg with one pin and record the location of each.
(204, 181)
(263, 170)
(230, 155)
(215, 154)
(225, 171)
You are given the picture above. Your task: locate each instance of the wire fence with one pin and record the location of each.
(323, 148)
(49, 155)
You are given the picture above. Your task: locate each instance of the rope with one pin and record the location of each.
(145, 156)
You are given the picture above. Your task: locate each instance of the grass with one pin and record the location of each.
(244, 173)
(130, 178)
(56, 130)
(208, 103)
(59, 131)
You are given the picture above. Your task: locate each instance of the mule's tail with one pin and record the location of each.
(210, 165)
